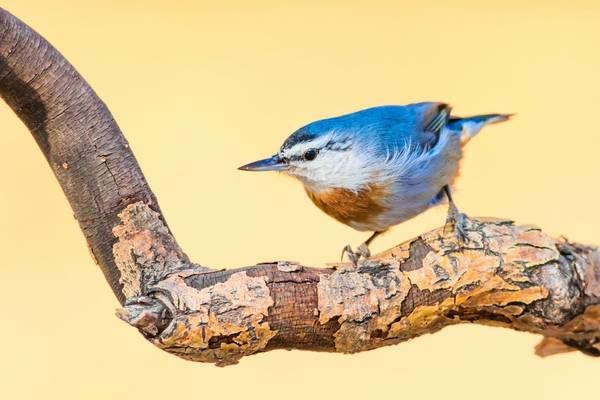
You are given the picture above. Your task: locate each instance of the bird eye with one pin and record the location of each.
(311, 154)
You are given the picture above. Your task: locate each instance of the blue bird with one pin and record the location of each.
(378, 167)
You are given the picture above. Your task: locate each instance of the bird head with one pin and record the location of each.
(321, 156)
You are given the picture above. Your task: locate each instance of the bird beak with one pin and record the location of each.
(274, 163)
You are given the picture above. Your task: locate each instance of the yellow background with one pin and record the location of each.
(200, 88)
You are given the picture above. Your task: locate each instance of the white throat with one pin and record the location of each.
(345, 169)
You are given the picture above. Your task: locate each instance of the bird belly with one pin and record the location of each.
(379, 207)
(410, 197)
(358, 209)
(406, 193)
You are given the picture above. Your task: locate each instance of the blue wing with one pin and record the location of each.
(390, 127)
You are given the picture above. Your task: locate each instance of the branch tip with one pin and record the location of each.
(147, 314)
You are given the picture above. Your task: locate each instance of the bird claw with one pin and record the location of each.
(456, 223)
(362, 251)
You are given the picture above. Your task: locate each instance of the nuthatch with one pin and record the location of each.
(378, 167)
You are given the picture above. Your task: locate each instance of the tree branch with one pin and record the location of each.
(79, 137)
(503, 275)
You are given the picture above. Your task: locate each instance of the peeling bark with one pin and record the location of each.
(77, 134)
(502, 275)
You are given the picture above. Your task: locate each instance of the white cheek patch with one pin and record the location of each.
(337, 169)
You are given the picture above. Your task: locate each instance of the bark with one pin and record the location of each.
(502, 274)
(79, 137)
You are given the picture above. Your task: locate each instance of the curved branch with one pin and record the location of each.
(79, 137)
(503, 275)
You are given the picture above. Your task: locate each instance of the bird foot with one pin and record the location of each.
(456, 223)
(362, 251)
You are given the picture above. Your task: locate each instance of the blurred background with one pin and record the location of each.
(202, 87)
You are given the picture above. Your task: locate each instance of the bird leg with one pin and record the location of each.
(455, 221)
(362, 251)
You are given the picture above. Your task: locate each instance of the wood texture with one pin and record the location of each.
(79, 137)
(502, 275)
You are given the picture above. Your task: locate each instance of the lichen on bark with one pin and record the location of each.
(501, 275)
(220, 323)
(145, 251)
(490, 279)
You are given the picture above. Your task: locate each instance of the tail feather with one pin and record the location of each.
(470, 126)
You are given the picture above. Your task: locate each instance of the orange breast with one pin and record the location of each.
(346, 205)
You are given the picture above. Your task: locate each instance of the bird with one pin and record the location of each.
(378, 167)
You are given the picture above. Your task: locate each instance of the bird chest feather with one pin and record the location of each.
(349, 206)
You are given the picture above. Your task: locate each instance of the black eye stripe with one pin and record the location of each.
(341, 145)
